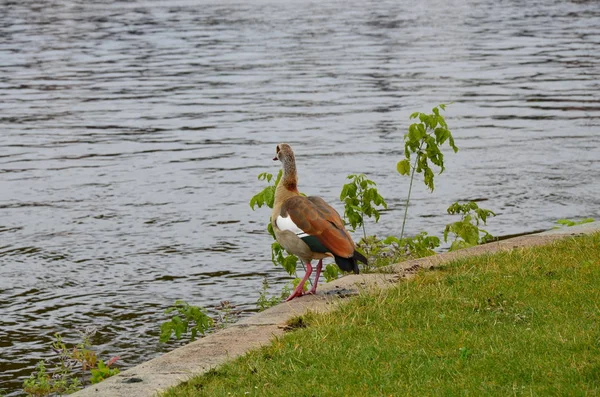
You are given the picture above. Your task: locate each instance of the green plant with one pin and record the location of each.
(392, 250)
(280, 257)
(569, 222)
(378, 254)
(41, 383)
(71, 366)
(187, 318)
(417, 246)
(466, 231)
(424, 139)
(266, 197)
(82, 353)
(360, 198)
(227, 314)
(103, 371)
(264, 301)
(331, 272)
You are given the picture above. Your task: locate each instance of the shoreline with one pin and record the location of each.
(176, 366)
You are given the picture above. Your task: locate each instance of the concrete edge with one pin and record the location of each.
(170, 369)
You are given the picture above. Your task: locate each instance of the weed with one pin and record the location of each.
(467, 231)
(71, 367)
(295, 322)
(331, 272)
(227, 314)
(392, 250)
(361, 198)
(569, 222)
(417, 246)
(188, 318)
(264, 301)
(103, 371)
(41, 383)
(266, 197)
(424, 139)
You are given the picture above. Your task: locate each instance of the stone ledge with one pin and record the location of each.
(170, 369)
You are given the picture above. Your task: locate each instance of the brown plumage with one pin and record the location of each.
(308, 227)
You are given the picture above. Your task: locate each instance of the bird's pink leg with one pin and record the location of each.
(299, 291)
(313, 290)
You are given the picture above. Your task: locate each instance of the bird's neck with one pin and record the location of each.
(286, 188)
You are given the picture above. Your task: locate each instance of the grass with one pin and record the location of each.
(525, 322)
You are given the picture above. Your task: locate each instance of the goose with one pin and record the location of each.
(308, 227)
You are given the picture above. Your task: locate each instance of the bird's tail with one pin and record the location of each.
(350, 264)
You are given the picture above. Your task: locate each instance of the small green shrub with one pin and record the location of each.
(265, 301)
(569, 222)
(73, 367)
(187, 318)
(280, 257)
(417, 246)
(424, 139)
(467, 232)
(41, 383)
(103, 371)
(227, 314)
(390, 250)
(331, 272)
(266, 197)
(361, 198)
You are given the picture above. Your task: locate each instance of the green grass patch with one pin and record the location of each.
(524, 322)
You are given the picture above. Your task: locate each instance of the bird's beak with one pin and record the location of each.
(275, 158)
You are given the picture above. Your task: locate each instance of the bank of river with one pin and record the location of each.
(132, 134)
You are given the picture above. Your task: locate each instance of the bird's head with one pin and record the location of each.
(283, 152)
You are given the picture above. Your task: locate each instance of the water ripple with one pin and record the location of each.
(133, 132)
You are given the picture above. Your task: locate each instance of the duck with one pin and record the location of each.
(308, 227)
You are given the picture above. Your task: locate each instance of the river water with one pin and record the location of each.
(132, 132)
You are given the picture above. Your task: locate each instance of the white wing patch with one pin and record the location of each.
(288, 224)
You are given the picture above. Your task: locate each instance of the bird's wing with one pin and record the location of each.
(312, 216)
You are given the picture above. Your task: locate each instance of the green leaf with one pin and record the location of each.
(331, 272)
(165, 331)
(428, 176)
(344, 192)
(269, 196)
(290, 264)
(270, 230)
(451, 142)
(566, 222)
(414, 135)
(441, 135)
(403, 167)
